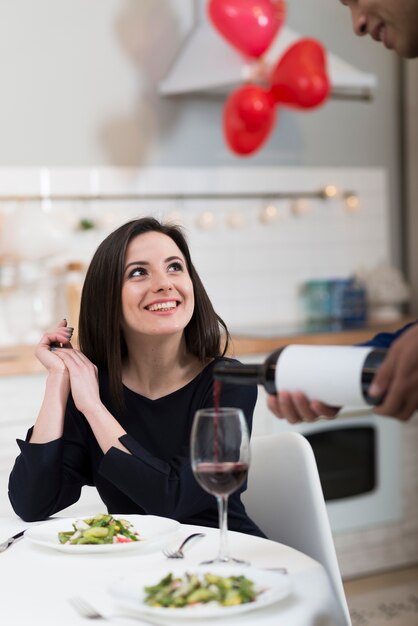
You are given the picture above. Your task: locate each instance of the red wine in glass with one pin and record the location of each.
(220, 455)
(221, 479)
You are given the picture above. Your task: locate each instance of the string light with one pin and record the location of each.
(352, 202)
(206, 220)
(269, 214)
(330, 191)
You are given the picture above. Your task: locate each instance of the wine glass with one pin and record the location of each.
(220, 455)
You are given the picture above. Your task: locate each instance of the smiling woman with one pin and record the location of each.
(157, 293)
(117, 414)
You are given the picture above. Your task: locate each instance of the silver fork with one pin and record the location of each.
(179, 554)
(85, 609)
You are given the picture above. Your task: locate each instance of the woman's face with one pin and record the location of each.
(157, 291)
(393, 22)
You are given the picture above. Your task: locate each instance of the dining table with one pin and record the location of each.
(38, 581)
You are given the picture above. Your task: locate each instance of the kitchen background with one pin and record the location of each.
(81, 114)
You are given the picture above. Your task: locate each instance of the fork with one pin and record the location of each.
(85, 609)
(179, 554)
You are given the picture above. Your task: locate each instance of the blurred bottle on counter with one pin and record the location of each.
(74, 275)
(316, 300)
(69, 279)
(348, 303)
(335, 303)
(335, 375)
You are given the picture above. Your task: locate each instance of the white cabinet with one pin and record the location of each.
(20, 400)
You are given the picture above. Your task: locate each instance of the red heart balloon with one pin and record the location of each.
(300, 78)
(249, 117)
(249, 25)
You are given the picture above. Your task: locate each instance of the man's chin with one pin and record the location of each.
(407, 50)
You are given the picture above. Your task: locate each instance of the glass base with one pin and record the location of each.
(225, 561)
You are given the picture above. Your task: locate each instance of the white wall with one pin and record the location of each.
(79, 87)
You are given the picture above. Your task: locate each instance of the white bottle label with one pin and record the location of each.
(331, 374)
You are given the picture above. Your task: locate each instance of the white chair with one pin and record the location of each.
(284, 497)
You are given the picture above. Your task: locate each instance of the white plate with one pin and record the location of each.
(154, 532)
(130, 594)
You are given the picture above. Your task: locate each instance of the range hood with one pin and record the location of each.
(207, 63)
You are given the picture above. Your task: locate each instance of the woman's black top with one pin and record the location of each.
(155, 479)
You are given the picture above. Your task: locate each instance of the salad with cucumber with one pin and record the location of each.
(99, 530)
(195, 589)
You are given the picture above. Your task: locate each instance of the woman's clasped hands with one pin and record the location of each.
(57, 355)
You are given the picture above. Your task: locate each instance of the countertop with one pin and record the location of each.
(20, 359)
(265, 339)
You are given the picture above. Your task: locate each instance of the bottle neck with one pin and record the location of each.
(239, 373)
(249, 374)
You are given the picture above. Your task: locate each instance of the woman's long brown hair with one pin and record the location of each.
(100, 335)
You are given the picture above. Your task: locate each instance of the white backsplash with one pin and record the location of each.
(252, 270)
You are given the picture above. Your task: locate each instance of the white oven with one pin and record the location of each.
(358, 457)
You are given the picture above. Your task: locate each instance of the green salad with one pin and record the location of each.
(99, 530)
(194, 589)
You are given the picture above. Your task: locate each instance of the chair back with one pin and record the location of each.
(284, 497)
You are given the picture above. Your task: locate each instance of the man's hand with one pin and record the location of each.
(397, 378)
(295, 407)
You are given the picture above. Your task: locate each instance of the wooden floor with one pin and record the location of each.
(389, 598)
(383, 581)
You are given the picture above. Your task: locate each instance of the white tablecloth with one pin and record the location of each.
(36, 582)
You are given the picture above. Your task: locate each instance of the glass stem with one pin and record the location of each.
(223, 554)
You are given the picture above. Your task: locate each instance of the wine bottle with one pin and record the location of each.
(335, 375)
